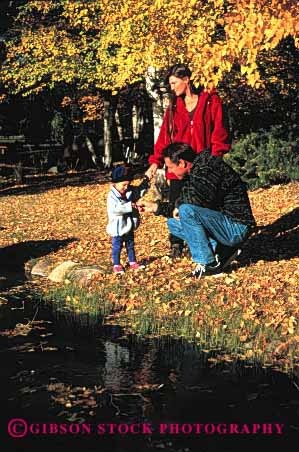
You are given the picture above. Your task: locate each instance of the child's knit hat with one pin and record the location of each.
(120, 174)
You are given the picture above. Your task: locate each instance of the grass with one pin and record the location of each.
(212, 326)
(252, 312)
(78, 308)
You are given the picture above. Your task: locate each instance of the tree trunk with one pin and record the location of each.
(153, 87)
(137, 120)
(156, 92)
(108, 124)
(119, 125)
(124, 123)
(18, 172)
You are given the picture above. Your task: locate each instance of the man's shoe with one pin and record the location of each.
(228, 256)
(118, 269)
(214, 269)
(176, 251)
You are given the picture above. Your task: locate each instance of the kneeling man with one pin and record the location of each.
(212, 214)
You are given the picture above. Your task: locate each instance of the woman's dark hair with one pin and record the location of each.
(177, 70)
(179, 151)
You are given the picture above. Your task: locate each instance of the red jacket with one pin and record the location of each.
(205, 131)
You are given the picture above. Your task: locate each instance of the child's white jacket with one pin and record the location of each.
(122, 217)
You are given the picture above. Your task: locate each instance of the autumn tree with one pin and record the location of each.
(110, 44)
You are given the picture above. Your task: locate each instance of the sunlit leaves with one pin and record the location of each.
(255, 304)
(108, 44)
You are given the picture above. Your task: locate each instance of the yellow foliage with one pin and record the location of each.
(109, 43)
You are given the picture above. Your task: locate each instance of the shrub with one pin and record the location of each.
(267, 157)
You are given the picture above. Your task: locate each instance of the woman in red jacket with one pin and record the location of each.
(192, 118)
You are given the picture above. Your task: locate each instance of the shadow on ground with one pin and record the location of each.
(274, 242)
(14, 257)
(43, 183)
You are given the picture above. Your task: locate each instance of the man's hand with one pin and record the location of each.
(175, 213)
(151, 170)
(147, 206)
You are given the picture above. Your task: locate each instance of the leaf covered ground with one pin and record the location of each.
(254, 304)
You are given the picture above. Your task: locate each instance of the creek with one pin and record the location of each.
(125, 393)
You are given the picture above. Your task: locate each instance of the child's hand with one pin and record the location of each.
(140, 206)
(137, 206)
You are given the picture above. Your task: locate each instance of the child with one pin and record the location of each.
(123, 215)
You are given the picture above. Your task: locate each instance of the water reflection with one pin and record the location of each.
(50, 373)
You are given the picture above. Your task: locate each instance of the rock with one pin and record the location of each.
(60, 272)
(53, 170)
(83, 276)
(41, 268)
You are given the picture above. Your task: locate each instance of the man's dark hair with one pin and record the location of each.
(179, 151)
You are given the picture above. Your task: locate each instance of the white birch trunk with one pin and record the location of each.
(159, 103)
(118, 125)
(108, 120)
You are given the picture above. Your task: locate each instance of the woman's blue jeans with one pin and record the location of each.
(204, 230)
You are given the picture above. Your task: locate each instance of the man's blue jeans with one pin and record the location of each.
(204, 230)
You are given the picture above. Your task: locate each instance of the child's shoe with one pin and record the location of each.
(118, 269)
(136, 266)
